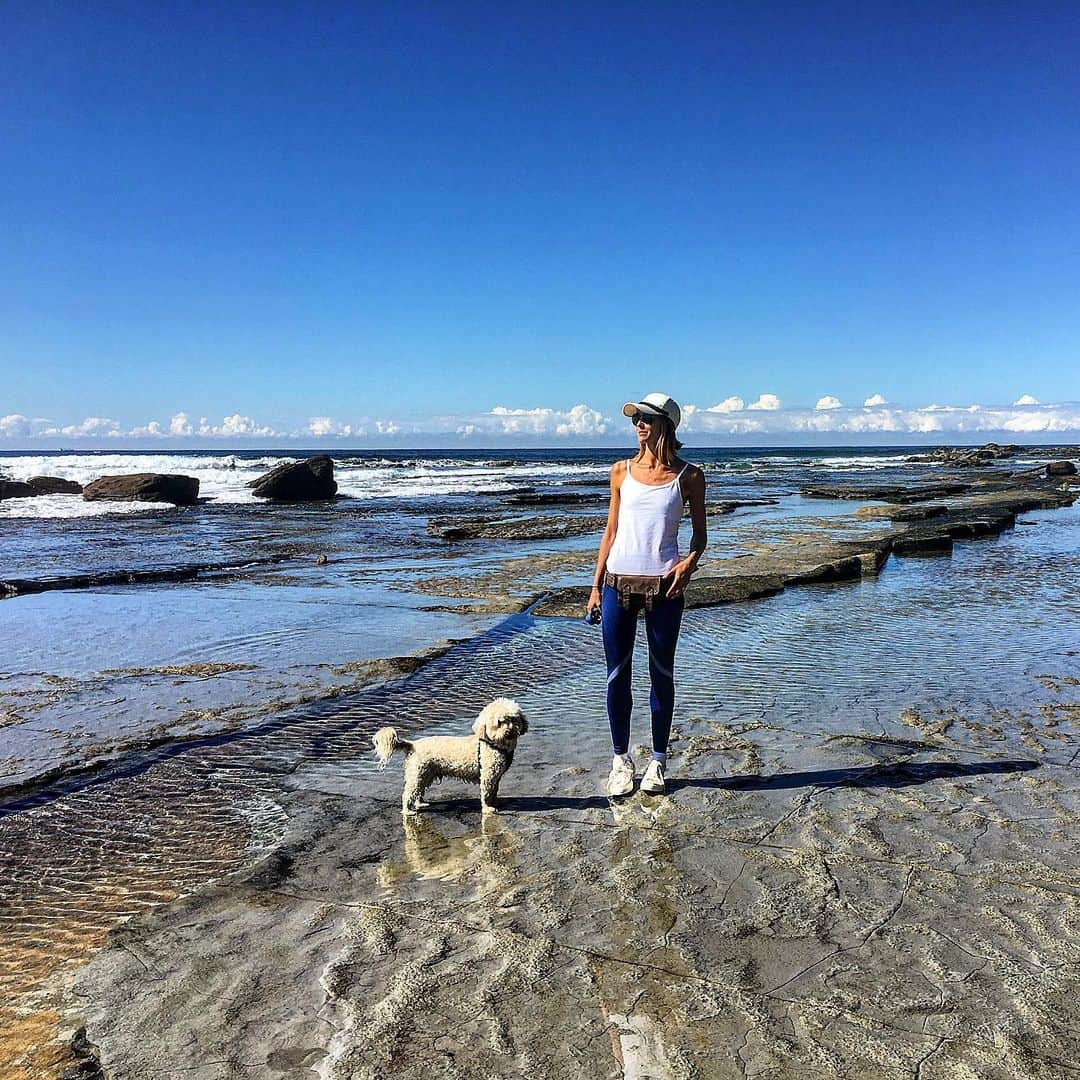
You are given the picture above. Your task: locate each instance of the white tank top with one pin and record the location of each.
(647, 538)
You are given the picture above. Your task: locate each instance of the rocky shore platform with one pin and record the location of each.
(823, 902)
(846, 879)
(921, 519)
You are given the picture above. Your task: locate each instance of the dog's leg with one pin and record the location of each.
(410, 795)
(490, 775)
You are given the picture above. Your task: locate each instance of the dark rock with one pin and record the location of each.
(916, 513)
(1007, 502)
(54, 485)
(16, 489)
(810, 562)
(85, 1059)
(298, 481)
(727, 506)
(936, 536)
(938, 491)
(758, 575)
(923, 541)
(1060, 468)
(965, 456)
(149, 576)
(845, 569)
(884, 492)
(710, 591)
(555, 498)
(145, 487)
(701, 592)
(514, 528)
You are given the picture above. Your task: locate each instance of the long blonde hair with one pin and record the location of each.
(667, 446)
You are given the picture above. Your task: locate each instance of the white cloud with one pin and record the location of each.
(935, 419)
(15, 425)
(729, 404)
(580, 420)
(326, 427)
(1049, 421)
(95, 427)
(151, 430)
(1026, 399)
(235, 427)
(243, 425)
(180, 424)
(873, 401)
(761, 420)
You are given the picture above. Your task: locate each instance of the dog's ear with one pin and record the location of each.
(479, 726)
(522, 723)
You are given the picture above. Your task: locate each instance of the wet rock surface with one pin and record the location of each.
(152, 575)
(298, 481)
(514, 528)
(556, 498)
(16, 489)
(884, 492)
(729, 506)
(849, 816)
(145, 487)
(845, 901)
(37, 485)
(968, 457)
(54, 485)
(928, 529)
(861, 891)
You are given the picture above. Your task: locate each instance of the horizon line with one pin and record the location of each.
(330, 451)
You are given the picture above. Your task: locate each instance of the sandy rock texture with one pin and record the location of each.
(834, 904)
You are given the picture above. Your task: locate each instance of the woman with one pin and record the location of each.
(638, 568)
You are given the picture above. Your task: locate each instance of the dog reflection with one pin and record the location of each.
(429, 854)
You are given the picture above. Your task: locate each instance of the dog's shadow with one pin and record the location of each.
(886, 775)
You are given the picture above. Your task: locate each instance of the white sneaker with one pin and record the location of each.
(620, 780)
(653, 781)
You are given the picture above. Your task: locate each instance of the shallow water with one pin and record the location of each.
(971, 632)
(955, 640)
(269, 605)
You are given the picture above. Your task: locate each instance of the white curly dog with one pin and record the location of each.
(482, 757)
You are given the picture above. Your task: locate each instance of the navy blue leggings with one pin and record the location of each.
(662, 633)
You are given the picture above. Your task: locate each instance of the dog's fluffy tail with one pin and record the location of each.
(386, 742)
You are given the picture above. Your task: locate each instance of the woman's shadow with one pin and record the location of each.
(885, 775)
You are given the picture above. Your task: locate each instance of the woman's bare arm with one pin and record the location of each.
(693, 485)
(609, 533)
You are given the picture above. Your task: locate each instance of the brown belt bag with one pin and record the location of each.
(635, 588)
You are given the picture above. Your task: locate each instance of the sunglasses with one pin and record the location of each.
(638, 417)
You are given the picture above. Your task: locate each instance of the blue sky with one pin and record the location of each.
(389, 221)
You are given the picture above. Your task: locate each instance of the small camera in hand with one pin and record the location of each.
(593, 617)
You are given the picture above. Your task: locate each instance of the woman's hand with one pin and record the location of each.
(594, 600)
(679, 577)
